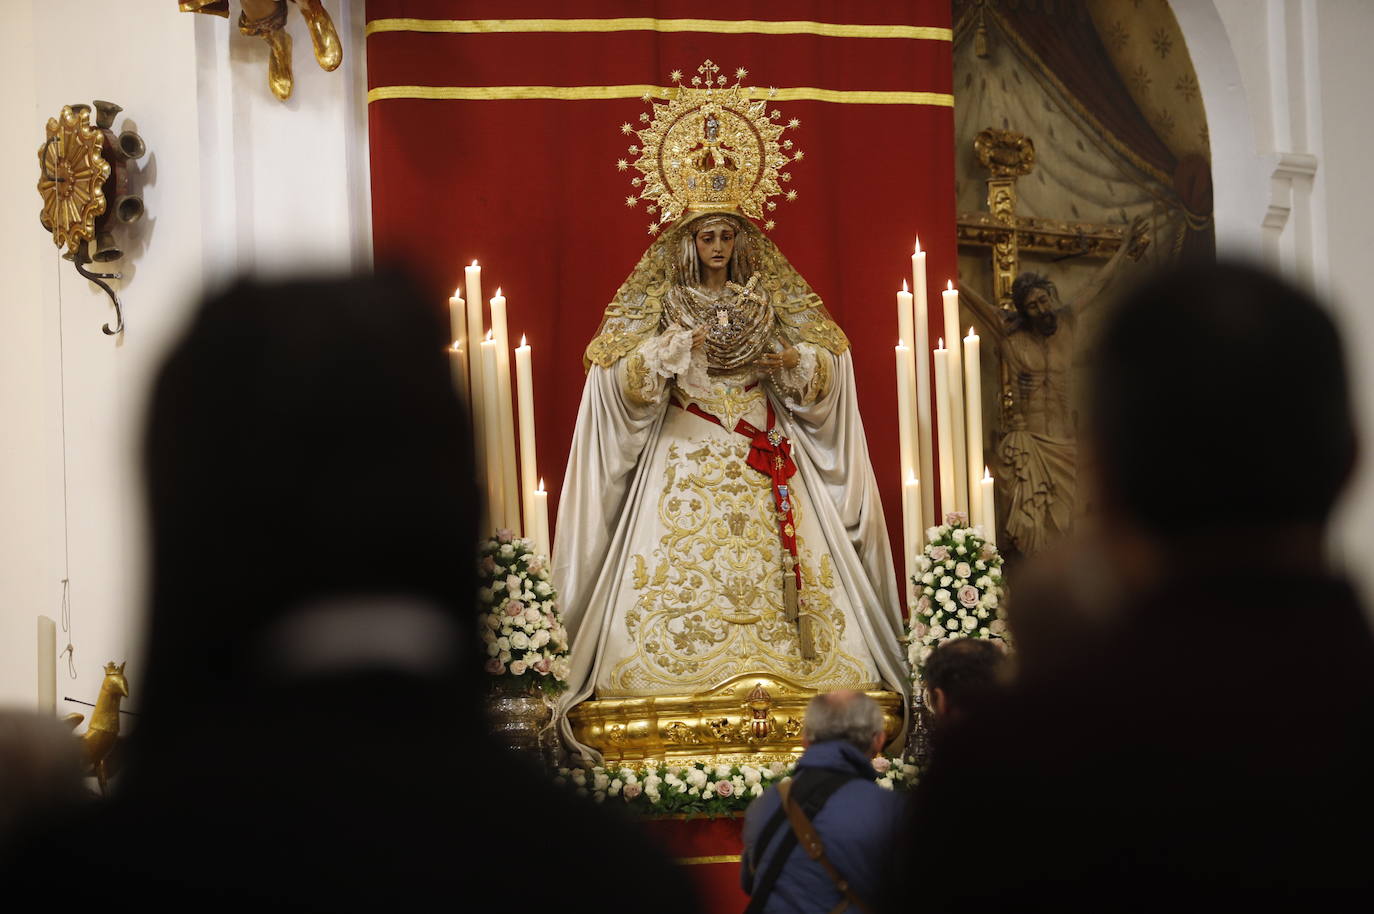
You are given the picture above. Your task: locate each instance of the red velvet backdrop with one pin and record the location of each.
(529, 186)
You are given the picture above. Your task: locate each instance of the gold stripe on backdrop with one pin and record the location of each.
(697, 861)
(645, 24)
(583, 93)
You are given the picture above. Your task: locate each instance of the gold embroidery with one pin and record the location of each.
(711, 608)
(638, 386)
(729, 404)
(819, 387)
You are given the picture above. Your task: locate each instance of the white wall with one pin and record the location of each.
(233, 180)
(1285, 84)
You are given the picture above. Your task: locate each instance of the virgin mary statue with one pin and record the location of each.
(719, 517)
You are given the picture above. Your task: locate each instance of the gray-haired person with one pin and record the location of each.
(818, 842)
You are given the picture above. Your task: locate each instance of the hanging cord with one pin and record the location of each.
(70, 649)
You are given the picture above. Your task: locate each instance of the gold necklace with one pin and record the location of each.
(739, 321)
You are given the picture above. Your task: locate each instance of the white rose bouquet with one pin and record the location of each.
(959, 586)
(698, 788)
(520, 625)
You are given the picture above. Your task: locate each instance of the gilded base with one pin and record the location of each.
(752, 717)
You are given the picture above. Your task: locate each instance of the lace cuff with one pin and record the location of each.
(669, 353)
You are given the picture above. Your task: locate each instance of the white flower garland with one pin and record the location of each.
(959, 582)
(521, 627)
(698, 788)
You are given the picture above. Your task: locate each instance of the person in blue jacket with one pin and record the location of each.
(853, 818)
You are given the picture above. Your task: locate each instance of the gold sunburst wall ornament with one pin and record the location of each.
(71, 174)
(711, 146)
(83, 178)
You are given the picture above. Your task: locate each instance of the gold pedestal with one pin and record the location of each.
(755, 718)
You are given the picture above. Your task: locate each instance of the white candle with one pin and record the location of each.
(458, 320)
(904, 316)
(524, 397)
(925, 446)
(458, 365)
(496, 519)
(905, 380)
(973, 424)
(915, 533)
(540, 500)
(956, 399)
(458, 352)
(476, 399)
(943, 424)
(47, 666)
(505, 419)
(989, 519)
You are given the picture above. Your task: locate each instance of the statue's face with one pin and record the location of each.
(715, 244)
(1039, 312)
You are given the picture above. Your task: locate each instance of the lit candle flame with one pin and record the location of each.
(523, 344)
(900, 343)
(918, 244)
(904, 288)
(541, 484)
(488, 336)
(949, 285)
(971, 334)
(498, 291)
(455, 347)
(474, 263)
(911, 479)
(987, 474)
(457, 293)
(941, 344)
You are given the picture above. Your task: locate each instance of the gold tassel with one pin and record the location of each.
(790, 607)
(806, 638)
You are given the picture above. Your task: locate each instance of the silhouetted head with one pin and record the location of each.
(1035, 299)
(304, 448)
(1219, 402)
(958, 672)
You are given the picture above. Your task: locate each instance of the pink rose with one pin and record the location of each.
(495, 667)
(923, 605)
(487, 566)
(518, 667)
(514, 608)
(956, 519)
(631, 791)
(968, 595)
(988, 552)
(504, 536)
(919, 630)
(962, 570)
(542, 666)
(724, 788)
(881, 764)
(513, 584)
(536, 564)
(939, 553)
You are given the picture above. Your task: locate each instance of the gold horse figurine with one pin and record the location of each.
(103, 733)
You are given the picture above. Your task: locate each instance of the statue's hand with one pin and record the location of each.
(699, 336)
(789, 358)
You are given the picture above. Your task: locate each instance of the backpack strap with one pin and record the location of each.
(811, 843)
(809, 790)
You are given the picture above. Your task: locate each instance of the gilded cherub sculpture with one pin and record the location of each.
(266, 19)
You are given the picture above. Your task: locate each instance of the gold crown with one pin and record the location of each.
(710, 147)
